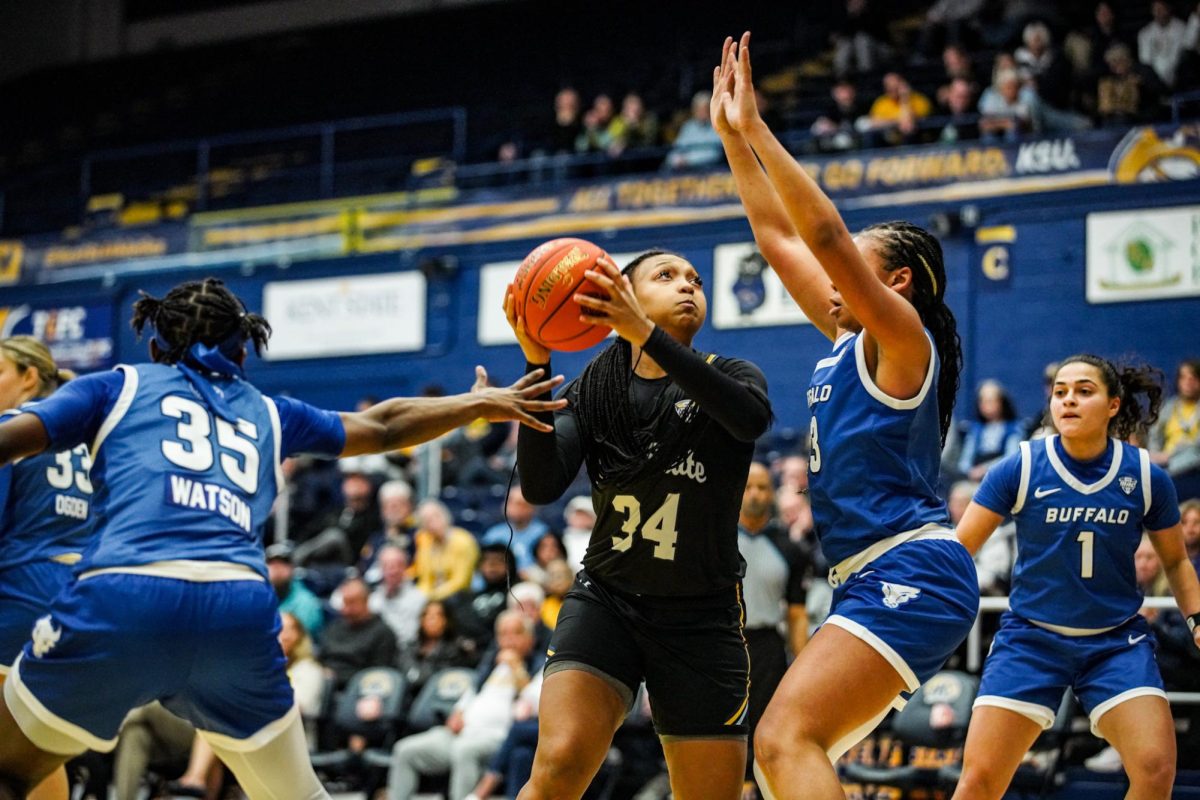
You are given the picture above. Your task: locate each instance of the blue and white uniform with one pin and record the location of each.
(171, 600)
(1074, 621)
(903, 583)
(45, 522)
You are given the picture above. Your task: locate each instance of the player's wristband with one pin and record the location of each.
(1193, 621)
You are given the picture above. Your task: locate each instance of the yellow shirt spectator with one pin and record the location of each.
(445, 555)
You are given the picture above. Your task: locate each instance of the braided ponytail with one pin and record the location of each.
(198, 311)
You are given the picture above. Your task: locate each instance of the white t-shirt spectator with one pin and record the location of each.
(1160, 47)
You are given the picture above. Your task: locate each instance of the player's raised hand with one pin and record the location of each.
(741, 107)
(518, 401)
(534, 352)
(722, 88)
(620, 310)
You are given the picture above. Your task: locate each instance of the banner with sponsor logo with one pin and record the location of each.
(1143, 255)
(494, 279)
(346, 316)
(747, 293)
(80, 337)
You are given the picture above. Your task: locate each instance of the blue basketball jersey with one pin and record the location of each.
(45, 506)
(172, 480)
(873, 461)
(1078, 525)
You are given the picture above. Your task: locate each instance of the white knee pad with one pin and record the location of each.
(273, 764)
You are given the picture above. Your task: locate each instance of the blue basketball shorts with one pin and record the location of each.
(1029, 668)
(113, 642)
(914, 604)
(26, 592)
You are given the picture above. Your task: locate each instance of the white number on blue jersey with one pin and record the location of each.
(195, 450)
(660, 528)
(64, 473)
(1087, 541)
(814, 447)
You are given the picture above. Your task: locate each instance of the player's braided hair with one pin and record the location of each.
(198, 311)
(903, 244)
(1128, 382)
(620, 447)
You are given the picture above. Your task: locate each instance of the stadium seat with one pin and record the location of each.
(937, 716)
(371, 706)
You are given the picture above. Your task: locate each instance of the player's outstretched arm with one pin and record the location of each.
(21, 436)
(976, 525)
(774, 232)
(406, 421)
(886, 315)
(1172, 552)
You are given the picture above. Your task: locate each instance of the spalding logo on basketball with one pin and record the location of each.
(544, 290)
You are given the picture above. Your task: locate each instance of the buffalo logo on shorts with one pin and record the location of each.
(895, 594)
(45, 636)
(1128, 484)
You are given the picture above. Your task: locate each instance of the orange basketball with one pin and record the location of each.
(545, 288)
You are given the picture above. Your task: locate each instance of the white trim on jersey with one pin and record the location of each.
(1145, 457)
(1112, 702)
(832, 360)
(880, 646)
(256, 740)
(42, 726)
(838, 341)
(1075, 483)
(277, 432)
(1023, 486)
(1040, 714)
(1067, 630)
(864, 376)
(183, 570)
(119, 409)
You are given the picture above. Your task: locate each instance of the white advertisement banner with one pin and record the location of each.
(747, 293)
(346, 316)
(1143, 254)
(494, 279)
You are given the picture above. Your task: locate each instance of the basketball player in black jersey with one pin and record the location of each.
(667, 434)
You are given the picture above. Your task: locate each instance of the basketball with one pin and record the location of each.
(544, 290)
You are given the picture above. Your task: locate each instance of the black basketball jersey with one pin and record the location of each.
(675, 533)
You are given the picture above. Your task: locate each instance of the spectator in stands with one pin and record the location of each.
(1175, 438)
(438, 646)
(526, 529)
(1189, 510)
(958, 66)
(859, 38)
(567, 125)
(949, 22)
(1087, 48)
(479, 722)
(446, 555)
(1041, 64)
(633, 128)
(793, 474)
(580, 518)
(1162, 42)
(1039, 424)
(594, 138)
(312, 488)
(1128, 92)
(395, 510)
(994, 561)
(474, 610)
(294, 597)
(1007, 109)
(895, 114)
(556, 582)
(959, 106)
(994, 433)
(528, 598)
(836, 128)
(357, 639)
(344, 533)
(396, 599)
(548, 548)
(697, 144)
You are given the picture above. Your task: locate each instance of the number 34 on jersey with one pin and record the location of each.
(658, 528)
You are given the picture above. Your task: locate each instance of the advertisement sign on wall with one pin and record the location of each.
(1143, 254)
(746, 292)
(80, 337)
(346, 316)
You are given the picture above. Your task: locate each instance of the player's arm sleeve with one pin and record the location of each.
(74, 414)
(734, 394)
(998, 492)
(549, 462)
(310, 430)
(1164, 501)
